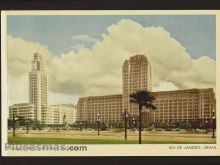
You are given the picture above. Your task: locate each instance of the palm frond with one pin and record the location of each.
(143, 98)
(132, 100)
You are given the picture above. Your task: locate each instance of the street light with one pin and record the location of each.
(27, 125)
(172, 124)
(213, 124)
(98, 122)
(80, 124)
(13, 123)
(133, 122)
(126, 116)
(155, 124)
(206, 124)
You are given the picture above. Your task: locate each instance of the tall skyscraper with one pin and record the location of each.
(136, 74)
(38, 86)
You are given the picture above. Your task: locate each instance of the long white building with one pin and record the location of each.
(25, 110)
(61, 114)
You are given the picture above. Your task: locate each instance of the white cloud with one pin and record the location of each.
(165, 86)
(97, 70)
(84, 38)
(18, 89)
(20, 55)
(60, 98)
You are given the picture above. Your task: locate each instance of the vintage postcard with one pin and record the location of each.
(110, 83)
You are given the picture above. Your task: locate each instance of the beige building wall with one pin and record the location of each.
(172, 106)
(82, 110)
(183, 105)
(178, 105)
(108, 107)
(136, 75)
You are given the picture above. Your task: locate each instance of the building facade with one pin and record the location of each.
(191, 105)
(109, 108)
(63, 114)
(38, 86)
(136, 75)
(25, 110)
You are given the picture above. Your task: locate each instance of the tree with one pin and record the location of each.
(104, 127)
(10, 123)
(164, 125)
(185, 125)
(28, 123)
(119, 125)
(36, 124)
(73, 126)
(143, 99)
(21, 121)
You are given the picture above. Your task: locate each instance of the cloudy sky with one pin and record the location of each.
(84, 54)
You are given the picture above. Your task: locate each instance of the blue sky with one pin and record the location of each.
(197, 33)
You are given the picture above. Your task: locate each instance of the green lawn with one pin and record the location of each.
(40, 140)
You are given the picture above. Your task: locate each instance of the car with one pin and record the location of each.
(190, 130)
(168, 129)
(210, 130)
(148, 129)
(199, 130)
(177, 129)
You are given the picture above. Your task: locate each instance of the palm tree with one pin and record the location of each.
(143, 99)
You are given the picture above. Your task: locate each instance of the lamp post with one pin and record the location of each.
(206, 124)
(213, 124)
(194, 124)
(98, 122)
(156, 124)
(80, 124)
(172, 125)
(133, 122)
(13, 123)
(27, 125)
(126, 116)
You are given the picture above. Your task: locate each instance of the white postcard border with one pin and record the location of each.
(111, 150)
